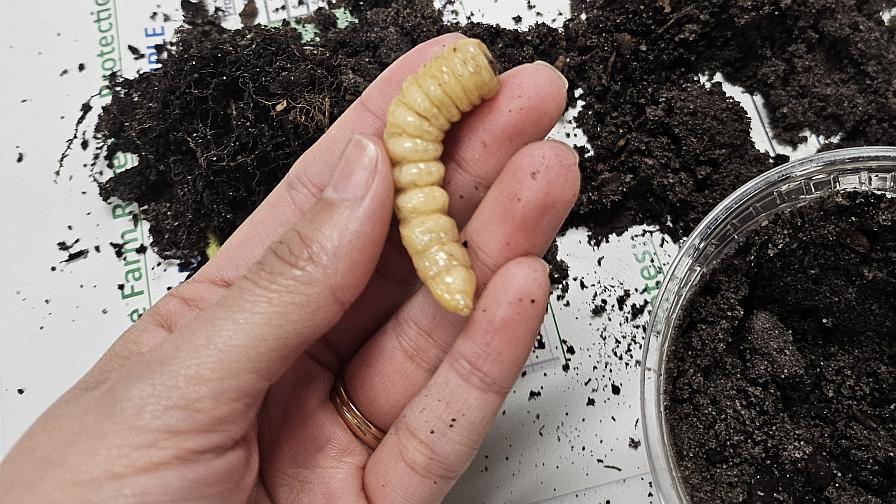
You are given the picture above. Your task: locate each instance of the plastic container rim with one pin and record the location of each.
(666, 479)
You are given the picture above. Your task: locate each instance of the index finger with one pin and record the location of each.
(300, 188)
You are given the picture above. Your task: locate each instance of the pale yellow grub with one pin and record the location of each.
(452, 83)
(424, 233)
(438, 259)
(446, 78)
(408, 176)
(415, 98)
(430, 84)
(402, 120)
(405, 148)
(421, 201)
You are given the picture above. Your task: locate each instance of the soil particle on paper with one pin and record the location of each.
(75, 256)
(64, 246)
(136, 52)
(249, 14)
(782, 379)
(559, 273)
(118, 249)
(599, 308)
(165, 16)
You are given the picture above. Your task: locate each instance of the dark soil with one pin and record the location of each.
(826, 65)
(666, 148)
(216, 128)
(782, 377)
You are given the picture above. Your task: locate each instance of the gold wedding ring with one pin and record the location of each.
(368, 433)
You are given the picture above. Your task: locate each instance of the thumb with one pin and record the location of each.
(302, 286)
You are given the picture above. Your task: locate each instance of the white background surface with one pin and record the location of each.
(55, 324)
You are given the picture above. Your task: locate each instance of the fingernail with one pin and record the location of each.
(552, 67)
(569, 147)
(354, 171)
(547, 267)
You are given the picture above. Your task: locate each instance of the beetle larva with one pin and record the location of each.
(431, 100)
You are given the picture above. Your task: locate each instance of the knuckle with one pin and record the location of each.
(298, 261)
(423, 456)
(177, 305)
(484, 262)
(299, 254)
(472, 364)
(164, 315)
(301, 190)
(419, 346)
(184, 301)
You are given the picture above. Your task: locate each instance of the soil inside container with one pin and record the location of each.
(781, 375)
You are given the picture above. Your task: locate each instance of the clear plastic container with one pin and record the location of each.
(866, 168)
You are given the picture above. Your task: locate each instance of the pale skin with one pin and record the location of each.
(219, 394)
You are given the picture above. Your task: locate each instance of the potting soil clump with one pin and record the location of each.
(216, 128)
(230, 110)
(781, 386)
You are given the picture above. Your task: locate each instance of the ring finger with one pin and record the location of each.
(439, 431)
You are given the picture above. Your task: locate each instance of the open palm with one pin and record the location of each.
(220, 393)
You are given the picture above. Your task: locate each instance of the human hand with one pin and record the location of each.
(220, 393)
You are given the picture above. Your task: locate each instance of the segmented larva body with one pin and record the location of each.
(431, 100)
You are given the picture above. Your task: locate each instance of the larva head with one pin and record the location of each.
(477, 45)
